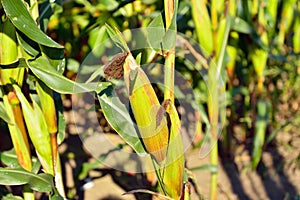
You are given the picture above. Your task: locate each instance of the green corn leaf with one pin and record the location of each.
(11, 197)
(61, 122)
(47, 105)
(241, 26)
(58, 178)
(260, 131)
(29, 46)
(22, 20)
(9, 158)
(21, 63)
(169, 40)
(9, 54)
(56, 196)
(47, 9)
(287, 17)
(37, 129)
(220, 34)
(118, 117)
(54, 80)
(18, 140)
(3, 114)
(272, 12)
(296, 28)
(117, 37)
(201, 19)
(174, 169)
(38, 182)
(156, 32)
(220, 65)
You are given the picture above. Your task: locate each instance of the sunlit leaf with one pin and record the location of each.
(29, 46)
(202, 19)
(37, 182)
(9, 158)
(117, 37)
(174, 169)
(37, 129)
(118, 117)
(44, 71)
(21, 18)
(3, 114)
(11, 197)
(156, 32)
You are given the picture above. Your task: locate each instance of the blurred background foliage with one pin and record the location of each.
(262, 53)
(262, 61)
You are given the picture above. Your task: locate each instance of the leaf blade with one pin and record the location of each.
(22, 20)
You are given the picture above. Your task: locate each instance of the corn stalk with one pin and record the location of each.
(26, 116)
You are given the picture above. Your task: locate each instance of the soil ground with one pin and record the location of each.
(277, 176)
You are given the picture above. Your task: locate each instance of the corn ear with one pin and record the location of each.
(145, 105)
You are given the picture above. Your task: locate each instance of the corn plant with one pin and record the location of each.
(31, 66)
(158, 145)
(162, 142)
(257, 19)
(31, 61)
(25, 116)
(213, 39)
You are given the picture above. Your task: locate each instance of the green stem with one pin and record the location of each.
(170, 6)
(213, 107)
(214, 79)
(214, 162)
(169, 77)
(28, 193)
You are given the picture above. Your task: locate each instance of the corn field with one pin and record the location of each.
(172, 99)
